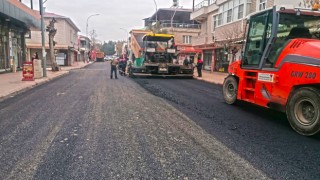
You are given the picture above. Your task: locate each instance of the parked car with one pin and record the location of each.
(107, 58)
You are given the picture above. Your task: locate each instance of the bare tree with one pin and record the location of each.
(308, 3)
(230, 34)
(93, 35)
(52, 32)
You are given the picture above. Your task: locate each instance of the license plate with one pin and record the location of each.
(162, 69)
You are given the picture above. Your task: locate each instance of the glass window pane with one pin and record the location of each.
(256, 40)
(230, 4)
(236, 2)
(235, 13)
(225, 7)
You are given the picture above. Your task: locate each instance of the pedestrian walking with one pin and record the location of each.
(114, 63)
(199, 66)
(89, 57)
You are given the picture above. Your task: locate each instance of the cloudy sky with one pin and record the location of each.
(114, 14)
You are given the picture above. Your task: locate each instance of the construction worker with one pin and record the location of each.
(199, 66)
(114, 63)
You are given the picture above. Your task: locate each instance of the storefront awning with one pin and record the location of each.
(20, 12)
(39, 46)
(188, 50)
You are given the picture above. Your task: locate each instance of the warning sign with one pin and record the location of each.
(266, 77)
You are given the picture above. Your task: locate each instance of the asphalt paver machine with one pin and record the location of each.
(158, 58)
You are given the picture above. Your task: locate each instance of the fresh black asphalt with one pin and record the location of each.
(87, 126)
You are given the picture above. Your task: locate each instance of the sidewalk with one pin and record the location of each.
(12, 84)
(211, 77)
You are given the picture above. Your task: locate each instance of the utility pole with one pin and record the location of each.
(193, 5)
(44, 60)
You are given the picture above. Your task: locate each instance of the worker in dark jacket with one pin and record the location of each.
(114, 64)
(122, 67)
(199, 66)
(186, 61)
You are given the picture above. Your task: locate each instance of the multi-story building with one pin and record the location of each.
(223, 26)
(66, 40)
(85, 45)
(16, 20)
(177, 21)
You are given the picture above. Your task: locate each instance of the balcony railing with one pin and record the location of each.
(181, 25)
(202, 4)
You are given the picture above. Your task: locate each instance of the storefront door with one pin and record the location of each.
(221, 60)
(207, 59)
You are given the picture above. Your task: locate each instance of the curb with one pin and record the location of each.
(204, 80)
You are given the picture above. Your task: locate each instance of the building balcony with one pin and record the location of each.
(200, 11)
(181, 25)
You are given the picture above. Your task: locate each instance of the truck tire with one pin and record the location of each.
(303, 111)
(230, 90)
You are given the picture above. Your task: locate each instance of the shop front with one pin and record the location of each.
(12, 47)
(225, 56)
(14, 26)
(188, 52)
(221, 60)
(207, 59)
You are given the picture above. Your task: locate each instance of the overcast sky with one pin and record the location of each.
(114, 14)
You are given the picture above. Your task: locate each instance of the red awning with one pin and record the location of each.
(189, 50)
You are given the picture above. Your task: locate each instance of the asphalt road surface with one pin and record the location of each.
(88, 126)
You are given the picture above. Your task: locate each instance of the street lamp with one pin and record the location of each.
(87, 22)
(156, 10)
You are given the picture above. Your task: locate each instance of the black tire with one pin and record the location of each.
(230, 89)
(303, 111)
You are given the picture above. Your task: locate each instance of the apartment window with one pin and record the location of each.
(240, 11)
(229, 15)
(219, 19)
(214, 22)
(212, 1)
(187, 39)
(228, 12)
(262, 4)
